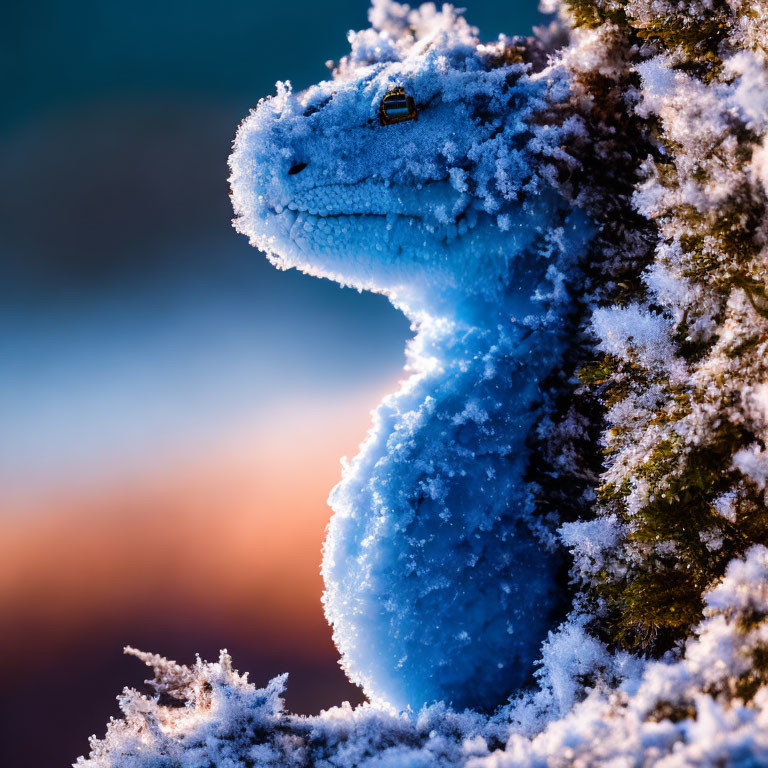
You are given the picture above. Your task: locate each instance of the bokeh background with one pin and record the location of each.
(172, 408)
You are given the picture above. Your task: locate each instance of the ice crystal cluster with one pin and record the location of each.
(576, 225)
(677, 712)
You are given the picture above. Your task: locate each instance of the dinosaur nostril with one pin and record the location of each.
(298, 168)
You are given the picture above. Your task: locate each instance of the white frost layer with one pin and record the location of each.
(659, 715)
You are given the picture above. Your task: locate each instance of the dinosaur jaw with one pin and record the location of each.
(390, 253)
(389, 234)
(436, 201)
(432, 250)
(370, 235)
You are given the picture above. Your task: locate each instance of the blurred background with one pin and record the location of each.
(172, 408)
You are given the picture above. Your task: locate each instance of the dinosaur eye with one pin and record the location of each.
(298, 168)
(396, 107)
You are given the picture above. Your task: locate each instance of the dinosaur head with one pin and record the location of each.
(438, 210)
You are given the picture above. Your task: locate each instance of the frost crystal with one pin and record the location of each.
(659, 714)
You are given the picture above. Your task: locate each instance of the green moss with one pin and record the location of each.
(684, 709)
(745, 347)
(585, 14)
(756, 293)
(653, 595)
(598, 371)
(695, 31)
(653, 618)
(590, 14)
(692, 350)
(749, 683)
(656, 605)
(699, 34)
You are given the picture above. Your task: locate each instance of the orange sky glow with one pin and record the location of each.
(232, 533)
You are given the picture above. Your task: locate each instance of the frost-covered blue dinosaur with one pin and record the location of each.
(439, 583)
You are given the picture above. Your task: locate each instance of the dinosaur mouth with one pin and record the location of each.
(436, 200)
(434, 210)
(299, 223)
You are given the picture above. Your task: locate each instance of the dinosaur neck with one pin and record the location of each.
(492, 334)
(497, 306)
